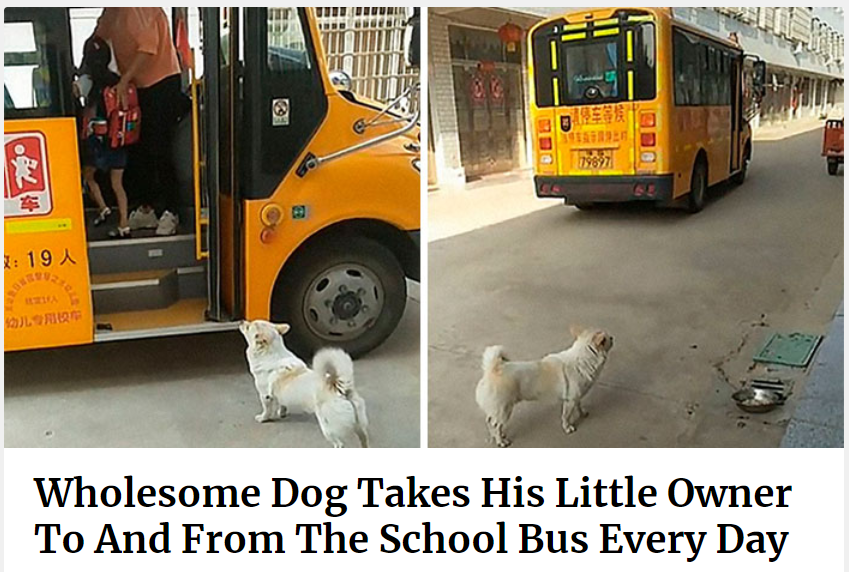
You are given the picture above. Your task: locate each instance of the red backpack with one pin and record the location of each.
(124, 124)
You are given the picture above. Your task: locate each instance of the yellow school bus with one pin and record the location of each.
(631, 104)
(301, 198)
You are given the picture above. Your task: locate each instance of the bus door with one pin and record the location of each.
(735, 71)
(47, 301)
(220, 122)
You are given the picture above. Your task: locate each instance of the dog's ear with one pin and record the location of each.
(576, 331)
(243, 327)
(282, 329)
(599, 340)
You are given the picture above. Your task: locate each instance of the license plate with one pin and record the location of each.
(595, 159)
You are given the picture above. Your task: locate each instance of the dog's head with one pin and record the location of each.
(599, 340)
(262, 335)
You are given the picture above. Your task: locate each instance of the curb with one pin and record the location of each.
(818, 419)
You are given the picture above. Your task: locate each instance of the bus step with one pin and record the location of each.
(142, 254)
(131, 291)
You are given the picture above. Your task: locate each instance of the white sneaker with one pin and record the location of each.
(140, 219)
(167, 224)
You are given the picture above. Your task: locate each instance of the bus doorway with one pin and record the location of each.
(299, 198)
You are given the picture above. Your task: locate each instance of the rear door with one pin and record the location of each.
(47, 289)
(596, 133)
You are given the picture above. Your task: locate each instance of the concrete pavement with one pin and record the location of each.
(689, 300)
(191, 391)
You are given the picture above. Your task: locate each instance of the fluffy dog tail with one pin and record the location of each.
(336, 370)
(493, 359)
(337, 374)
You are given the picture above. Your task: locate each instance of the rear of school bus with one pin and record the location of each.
(600, 108)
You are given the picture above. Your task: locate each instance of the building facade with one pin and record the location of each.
(477, 84)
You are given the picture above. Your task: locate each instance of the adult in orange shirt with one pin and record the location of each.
(146, 58)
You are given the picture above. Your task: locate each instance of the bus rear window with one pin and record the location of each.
(598, 66)
(593, 71)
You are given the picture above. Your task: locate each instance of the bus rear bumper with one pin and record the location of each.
(606, 189)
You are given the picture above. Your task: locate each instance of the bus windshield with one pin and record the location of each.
(595, 65)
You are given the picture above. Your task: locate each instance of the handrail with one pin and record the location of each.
(200, 253)
(361, 125)
(315, 162)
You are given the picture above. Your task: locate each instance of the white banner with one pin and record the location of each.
(605, 509)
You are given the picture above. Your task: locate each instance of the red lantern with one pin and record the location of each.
(510, 35)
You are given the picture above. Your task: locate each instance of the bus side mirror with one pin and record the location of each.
(414, 45)
(760, 79)
(342, 80)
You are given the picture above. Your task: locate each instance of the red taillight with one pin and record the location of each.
(650, 190)
(647, 120)
(545, 126)
(555, 190)
(545, 189)
(648, 139)
(545, 143)
(639, 190)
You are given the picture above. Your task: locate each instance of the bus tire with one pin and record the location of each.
(833, 165)
(740, 177)
(586, 206)
(331, 292)
(698, 187)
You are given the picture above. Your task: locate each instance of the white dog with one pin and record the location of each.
(566, 376)
(340, 410)
(283, 381)
(285, 384)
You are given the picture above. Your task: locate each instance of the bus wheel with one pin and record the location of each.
(586, 206)
(698, 188)
(832, 166)
(349, 293)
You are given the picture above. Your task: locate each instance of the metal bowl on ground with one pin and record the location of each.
(752, 400)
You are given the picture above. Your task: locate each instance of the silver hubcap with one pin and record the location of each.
(343, 302)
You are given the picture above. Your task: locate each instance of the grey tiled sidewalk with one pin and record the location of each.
(818, 420)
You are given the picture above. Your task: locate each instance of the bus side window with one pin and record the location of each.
(646, 84)
(287, 49)
(688, 64)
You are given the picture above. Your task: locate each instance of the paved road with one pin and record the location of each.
(190, 391)
(687, 298)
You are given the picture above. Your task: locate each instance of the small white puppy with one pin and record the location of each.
(340, 410)
(567, 376)
(283, 381)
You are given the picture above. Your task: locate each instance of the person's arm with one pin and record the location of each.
(143, 26)
(139, 62)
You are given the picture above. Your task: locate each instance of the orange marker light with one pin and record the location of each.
(266, 235)
(648, 120)
(545, 126)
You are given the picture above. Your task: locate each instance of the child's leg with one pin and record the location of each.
(94, 188)
(117, 176)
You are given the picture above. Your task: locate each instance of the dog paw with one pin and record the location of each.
(282, 412)
(569, 429)
(261, 418)
(504, 443)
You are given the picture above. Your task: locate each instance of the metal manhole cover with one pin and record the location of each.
(794, 349)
